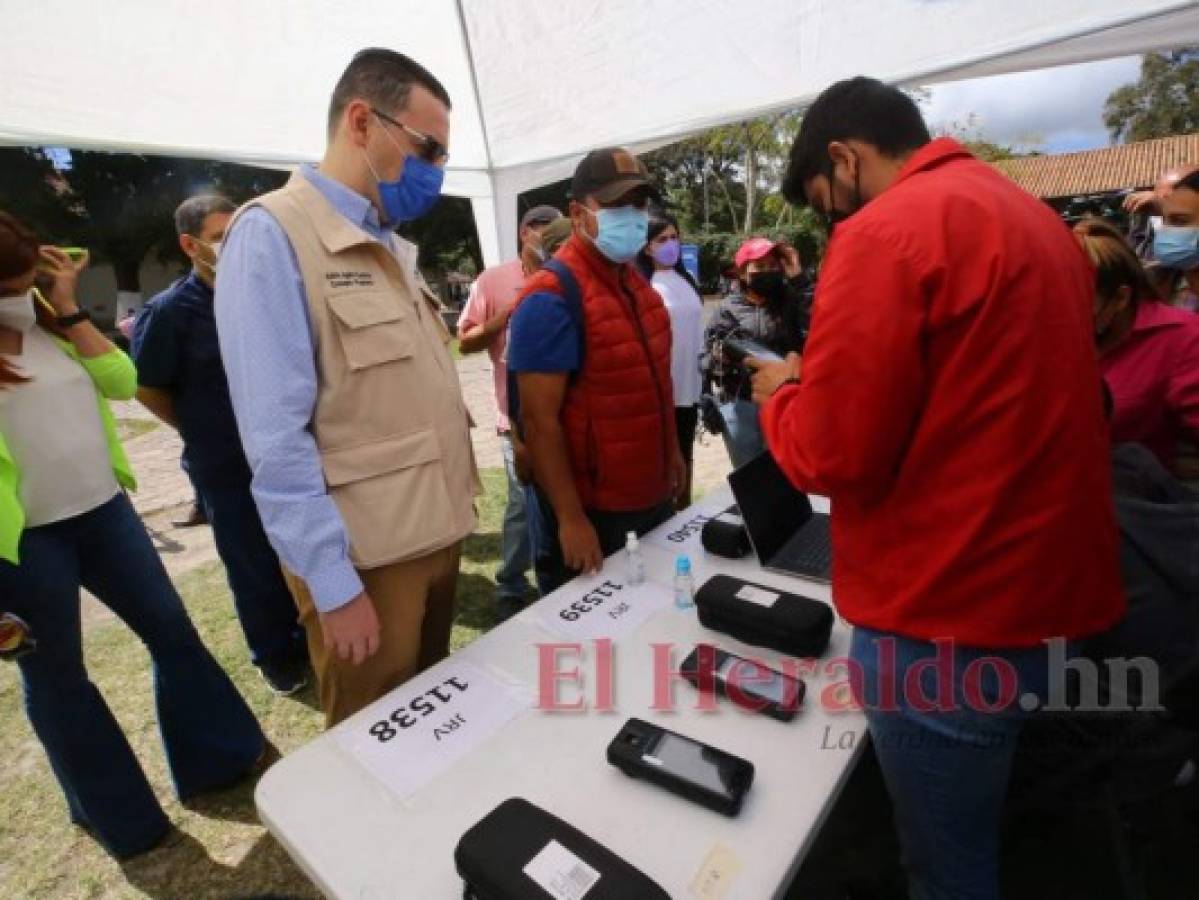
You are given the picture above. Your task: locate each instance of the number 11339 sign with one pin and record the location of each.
(599, 607)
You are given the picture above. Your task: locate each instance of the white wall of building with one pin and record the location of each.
(98, 288)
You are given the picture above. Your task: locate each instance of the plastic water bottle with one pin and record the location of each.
(636, 562)
(684, 584)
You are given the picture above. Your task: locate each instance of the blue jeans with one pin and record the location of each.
(209, 734)
(264, 605)
(947, 770)
(742, 432)
(517, 546)
(537, 536)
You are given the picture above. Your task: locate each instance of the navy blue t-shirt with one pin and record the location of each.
(543, 336)
(175, 348)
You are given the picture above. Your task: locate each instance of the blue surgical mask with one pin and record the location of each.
(622, 232)
(1177, 248)
(412, 194)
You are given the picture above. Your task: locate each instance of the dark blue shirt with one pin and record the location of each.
(175, 348)
(543, 336)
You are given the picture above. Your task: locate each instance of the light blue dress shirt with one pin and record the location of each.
(268, 350)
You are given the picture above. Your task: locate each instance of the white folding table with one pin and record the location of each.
(357, 835)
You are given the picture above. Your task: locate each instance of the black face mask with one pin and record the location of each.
(771, 285)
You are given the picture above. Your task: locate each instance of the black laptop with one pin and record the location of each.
(786, 534)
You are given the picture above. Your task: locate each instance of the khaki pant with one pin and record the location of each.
(414, 601)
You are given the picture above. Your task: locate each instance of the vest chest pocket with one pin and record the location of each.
(371, 327)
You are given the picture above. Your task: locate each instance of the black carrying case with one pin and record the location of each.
(724, 538)
(791, 624)
(493, 854)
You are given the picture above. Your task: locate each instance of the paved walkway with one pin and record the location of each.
(164, 493)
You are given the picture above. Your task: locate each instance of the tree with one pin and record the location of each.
(971, 136)
(719, 180)
(447, 237)
(35, 192)
(699, 181)
(128, 202)
(1163, 102)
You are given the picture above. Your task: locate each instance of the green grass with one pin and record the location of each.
(128, 429)
(220, 850)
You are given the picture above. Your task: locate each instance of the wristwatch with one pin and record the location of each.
(73, 319)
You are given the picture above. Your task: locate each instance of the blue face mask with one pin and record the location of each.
(412, 194)
(622, 232)
(1177, 248)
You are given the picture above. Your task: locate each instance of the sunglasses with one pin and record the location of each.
(431, 149)
(15, 639)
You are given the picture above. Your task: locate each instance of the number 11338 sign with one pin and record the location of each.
(418, 730)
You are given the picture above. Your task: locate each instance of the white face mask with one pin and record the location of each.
(17, 312)
(213, 247)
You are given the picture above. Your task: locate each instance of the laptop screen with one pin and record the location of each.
(772, 508)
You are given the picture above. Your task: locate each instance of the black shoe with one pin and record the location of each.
(507, 607)
(195, 518)
(286, 678)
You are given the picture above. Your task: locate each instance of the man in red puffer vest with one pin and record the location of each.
(590, 349)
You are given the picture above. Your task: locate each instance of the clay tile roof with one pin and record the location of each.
(1135, 165)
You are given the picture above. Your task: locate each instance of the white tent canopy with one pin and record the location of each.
(535, 83)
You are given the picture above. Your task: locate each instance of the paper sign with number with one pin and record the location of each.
(421, 728)
(598, 607)
(681, 534)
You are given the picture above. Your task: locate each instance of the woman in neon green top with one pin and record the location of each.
(66, 523)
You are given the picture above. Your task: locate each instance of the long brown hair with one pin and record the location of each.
(1116, 263)
(20, 250)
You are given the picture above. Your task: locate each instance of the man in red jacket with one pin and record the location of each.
(590, 346)
(949, 404)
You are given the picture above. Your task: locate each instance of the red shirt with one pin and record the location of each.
(1154, 378)
(951, 409)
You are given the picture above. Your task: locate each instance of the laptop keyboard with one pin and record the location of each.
(812, 549)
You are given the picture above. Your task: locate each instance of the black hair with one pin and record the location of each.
(1191, 182)
(190, 216)
(659, 221)
(384, 79)
(858, 108)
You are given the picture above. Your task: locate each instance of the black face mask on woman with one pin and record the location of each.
(769, 285)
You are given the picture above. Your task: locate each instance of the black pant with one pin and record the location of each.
(610, 527)
(686, 418)
(264, 605)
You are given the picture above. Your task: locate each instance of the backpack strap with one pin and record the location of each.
(570, 293)
(572, 296)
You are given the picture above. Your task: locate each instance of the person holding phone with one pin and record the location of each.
(949, 406)
(66, 524)
(772, 309)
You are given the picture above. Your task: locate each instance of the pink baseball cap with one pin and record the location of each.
(753, 249)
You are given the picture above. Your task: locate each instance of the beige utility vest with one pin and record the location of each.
(390, 422)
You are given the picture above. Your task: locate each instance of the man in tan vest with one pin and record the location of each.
(347, 399)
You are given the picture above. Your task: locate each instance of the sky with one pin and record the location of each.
(1054, 110)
